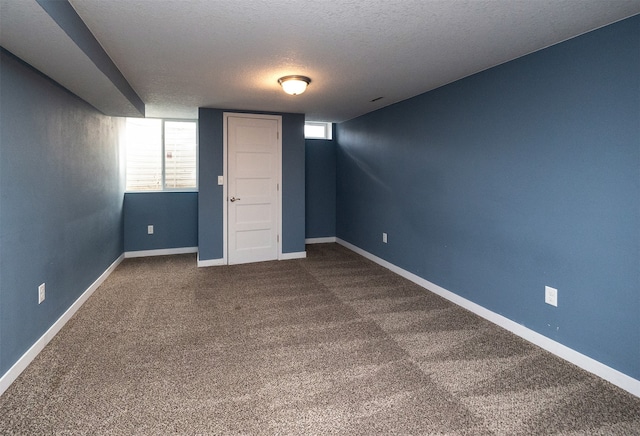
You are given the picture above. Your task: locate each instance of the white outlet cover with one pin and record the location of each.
(384, 238)
(551, 296)
(220, 180)
(150, 230)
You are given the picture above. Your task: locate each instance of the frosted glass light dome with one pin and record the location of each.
(294, 85)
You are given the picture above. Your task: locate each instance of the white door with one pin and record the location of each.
(253, 168)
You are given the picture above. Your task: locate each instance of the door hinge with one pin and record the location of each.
(277, 186)
(278, 238)
(277, 135)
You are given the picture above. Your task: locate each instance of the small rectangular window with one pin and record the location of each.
(161, 155)
(179, 155)
(317, 130)
(144, 154)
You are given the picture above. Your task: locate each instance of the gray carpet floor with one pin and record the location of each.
(331, 344)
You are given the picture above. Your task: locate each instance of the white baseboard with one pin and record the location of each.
(587, 363)
(211, 262)
(326, 240)
(160, 252)
(223, 261)
(296, 255)
(12, 374)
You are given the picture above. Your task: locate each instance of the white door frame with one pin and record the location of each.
(225, 193)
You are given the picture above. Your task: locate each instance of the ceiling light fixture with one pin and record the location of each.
(294, 85)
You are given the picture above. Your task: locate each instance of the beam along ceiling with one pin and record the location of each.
(181, 55)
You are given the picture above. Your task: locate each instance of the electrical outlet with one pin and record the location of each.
(41, 292)
(220, 180)
(384, 238)
(150, 230)
(551, 296)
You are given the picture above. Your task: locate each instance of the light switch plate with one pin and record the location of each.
(41, 293)
(551, 296)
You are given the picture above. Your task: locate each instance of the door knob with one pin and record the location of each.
(233, 199)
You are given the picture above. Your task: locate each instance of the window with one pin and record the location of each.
(161, 155)
(317, 130)
(180, 154)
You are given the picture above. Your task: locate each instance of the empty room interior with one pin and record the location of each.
(327, 217)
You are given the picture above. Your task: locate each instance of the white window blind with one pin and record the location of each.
(144, 154)
(180, 154)
(161, 155)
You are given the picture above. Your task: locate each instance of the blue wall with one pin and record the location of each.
(524, 175)
(320, 188)
(210, 165)
(174, 216)
(293, 199)
(210, 199)
(61, 188)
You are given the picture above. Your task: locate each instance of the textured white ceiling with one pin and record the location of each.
(181, 55)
